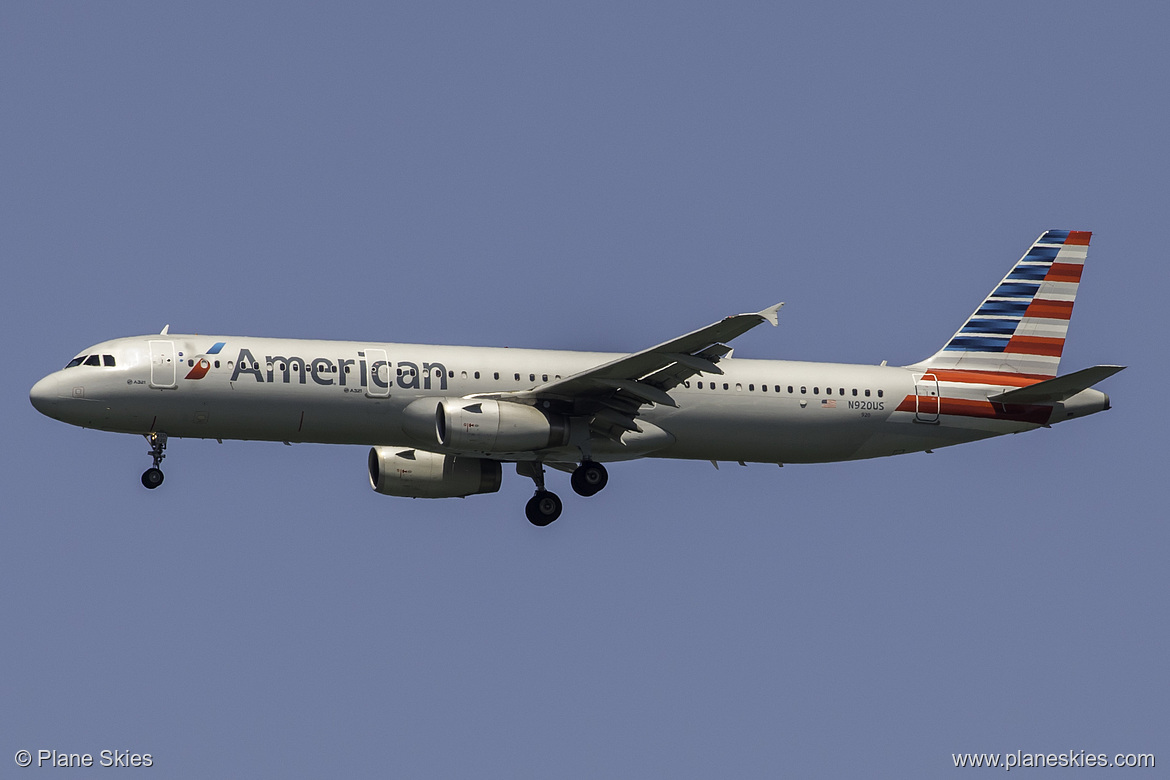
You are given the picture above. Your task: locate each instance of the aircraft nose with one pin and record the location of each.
(44, 395)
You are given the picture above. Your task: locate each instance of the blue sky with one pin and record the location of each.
(596, 177)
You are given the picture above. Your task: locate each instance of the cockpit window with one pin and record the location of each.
(108, 361)
(93, 360)
(75, 361)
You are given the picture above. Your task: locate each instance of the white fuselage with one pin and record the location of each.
(341, 392)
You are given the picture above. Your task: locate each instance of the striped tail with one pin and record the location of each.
(1021, 325)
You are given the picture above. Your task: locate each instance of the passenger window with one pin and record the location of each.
(724, 385)
(477, 375)
(496, 376)
(93, 360)
(700, 385)
(879, 393)
(803, 390)
(532, 377)
(855, 392)
(867, 393)
(789, 389)
(816, 391)
(544, 377)
(517, 377)
(751, 387)
(842, 389)
(686, 384)
(828, 391)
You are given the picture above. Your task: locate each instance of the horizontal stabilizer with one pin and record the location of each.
(1059, 389)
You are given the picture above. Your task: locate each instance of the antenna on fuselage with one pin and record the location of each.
(166, 327)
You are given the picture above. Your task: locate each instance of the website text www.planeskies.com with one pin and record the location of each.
(1069, 758)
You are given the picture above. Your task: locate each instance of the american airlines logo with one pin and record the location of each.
(202, 365)
(371, 372)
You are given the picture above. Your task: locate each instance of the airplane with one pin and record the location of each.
(441, 420)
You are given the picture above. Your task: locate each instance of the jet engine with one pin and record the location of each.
(395, 471)
(484, 425)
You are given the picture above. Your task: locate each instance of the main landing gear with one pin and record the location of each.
(153, 476)
(589, 478)
(545, 506)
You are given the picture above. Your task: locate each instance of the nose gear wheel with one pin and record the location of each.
(153, 476)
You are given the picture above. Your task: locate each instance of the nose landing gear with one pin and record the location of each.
(153, 476)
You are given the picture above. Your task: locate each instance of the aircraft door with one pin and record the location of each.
(162, 364)
(927, 401)
(378, 375)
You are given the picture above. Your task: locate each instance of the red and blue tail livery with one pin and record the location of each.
(1021, 326)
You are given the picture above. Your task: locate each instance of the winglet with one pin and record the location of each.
(772, 314)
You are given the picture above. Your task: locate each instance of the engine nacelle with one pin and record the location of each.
(492, 426)
(396, 471)
(483, 425)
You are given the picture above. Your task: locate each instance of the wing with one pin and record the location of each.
(613, 393)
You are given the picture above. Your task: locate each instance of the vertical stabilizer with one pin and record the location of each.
(1020, 327)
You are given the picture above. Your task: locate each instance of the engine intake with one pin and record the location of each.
(410, 473)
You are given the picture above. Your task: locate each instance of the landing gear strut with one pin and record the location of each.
(589, 478)
(544, 506)
(153, 476)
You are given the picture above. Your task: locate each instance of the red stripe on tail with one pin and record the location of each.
(1064, 272)
(1050, 310)
(1035, 345)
